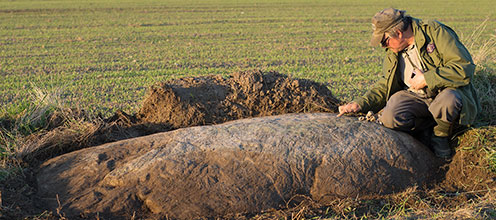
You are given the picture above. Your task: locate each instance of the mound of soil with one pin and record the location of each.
(195, 101)
(470, 168)
(244, 166)
(183, 103)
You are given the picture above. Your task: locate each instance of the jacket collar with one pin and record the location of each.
(418, 32)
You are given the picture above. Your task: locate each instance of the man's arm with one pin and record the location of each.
(457, 66)
(375, 99)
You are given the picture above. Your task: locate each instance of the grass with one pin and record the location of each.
(101, 56)
(33, 118)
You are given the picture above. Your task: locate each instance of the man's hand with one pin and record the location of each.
(418, 81)
(350, 107)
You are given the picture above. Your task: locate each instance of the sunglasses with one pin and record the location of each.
(384, 41)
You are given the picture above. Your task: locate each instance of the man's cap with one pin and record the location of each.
(384, 21)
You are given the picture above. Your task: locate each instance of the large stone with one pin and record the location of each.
(247, 165)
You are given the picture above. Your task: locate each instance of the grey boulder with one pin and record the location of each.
(242, 166)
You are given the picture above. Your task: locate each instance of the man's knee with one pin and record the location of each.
(395, 115)
(397, 120)
(447, 105)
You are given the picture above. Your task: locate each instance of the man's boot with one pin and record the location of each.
(440, 140)
(441, 148)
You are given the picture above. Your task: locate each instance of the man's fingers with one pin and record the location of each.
(351, 107)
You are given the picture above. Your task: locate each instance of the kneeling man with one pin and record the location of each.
(426, 83)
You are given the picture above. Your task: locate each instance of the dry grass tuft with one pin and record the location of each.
(484, 82)
(483, 50)
(477, 207)
(44, 114)
(481, 47)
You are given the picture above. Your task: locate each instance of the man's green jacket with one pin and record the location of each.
(448, 64)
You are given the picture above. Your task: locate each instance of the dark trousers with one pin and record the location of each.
(410, 112)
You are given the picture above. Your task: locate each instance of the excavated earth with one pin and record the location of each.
(215, 145)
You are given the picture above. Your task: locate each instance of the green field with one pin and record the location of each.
(102, 55)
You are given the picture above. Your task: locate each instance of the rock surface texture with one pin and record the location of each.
(241, 166)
